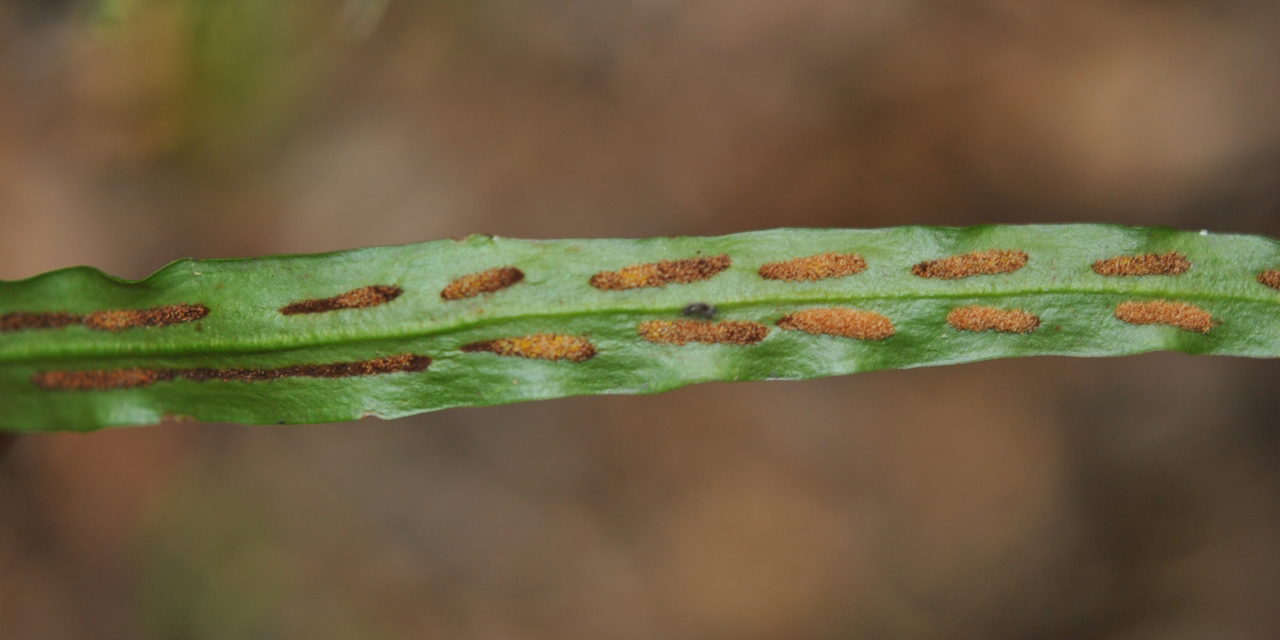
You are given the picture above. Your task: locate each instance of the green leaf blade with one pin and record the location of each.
(245, 329)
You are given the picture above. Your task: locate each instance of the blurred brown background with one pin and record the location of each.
(1043, 498)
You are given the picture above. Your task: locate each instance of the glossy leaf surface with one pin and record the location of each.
(293, 339)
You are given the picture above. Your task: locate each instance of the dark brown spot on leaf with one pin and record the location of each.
(977, 263)
(370, 296)
(82, 380)
(685, 331)
(1147, 264)
(979, 318)
(20, 320)
(121, 319)
(543, 346)
(819, 267)
(1175, 314)
(838, 321)
(106, 320)
(483, 282)
(89, 380)
(661, 273)
(1271, 278)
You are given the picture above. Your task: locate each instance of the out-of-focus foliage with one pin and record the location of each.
(238, 67)
(1106, 498)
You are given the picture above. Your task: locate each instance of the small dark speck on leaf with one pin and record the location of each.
(699, 310)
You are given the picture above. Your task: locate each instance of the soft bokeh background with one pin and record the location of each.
(1042, 498)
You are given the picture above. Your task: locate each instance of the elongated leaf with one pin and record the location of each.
(392, 331)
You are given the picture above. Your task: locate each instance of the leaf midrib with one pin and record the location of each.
(241, 346)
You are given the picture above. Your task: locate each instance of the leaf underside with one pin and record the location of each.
(393, 331)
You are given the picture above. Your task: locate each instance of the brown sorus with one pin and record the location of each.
(1271, 278)
(978, 318)
(1175, 314)
(20, 320)
(99, 380)
(686, 331)
(121, 319)
(818, 267)
(486, 281)
(543, 346)
(838, 321)
(661, 273)
(1146, 264)
(86, 380)
(370, 296)
(977, 263)
(105, 320)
